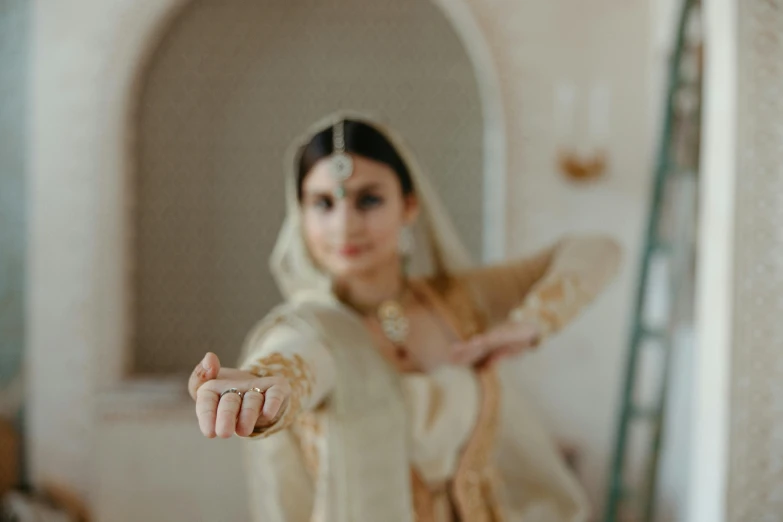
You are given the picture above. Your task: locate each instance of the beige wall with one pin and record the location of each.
(77, 338)
(755, 465)
(739, 435)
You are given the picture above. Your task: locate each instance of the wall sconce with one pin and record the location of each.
(586, 159)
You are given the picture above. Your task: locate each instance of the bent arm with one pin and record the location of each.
(548, 288)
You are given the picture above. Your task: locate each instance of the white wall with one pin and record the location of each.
(710, 407)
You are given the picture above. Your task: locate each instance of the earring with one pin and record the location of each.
(406, 242)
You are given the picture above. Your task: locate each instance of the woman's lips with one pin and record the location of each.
(349, 251)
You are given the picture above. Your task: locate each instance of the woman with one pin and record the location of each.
(378, 374)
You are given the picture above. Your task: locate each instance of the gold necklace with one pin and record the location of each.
(394, 323)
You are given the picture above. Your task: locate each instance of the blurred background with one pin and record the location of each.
(141, 181)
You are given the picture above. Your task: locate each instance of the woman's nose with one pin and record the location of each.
(348, 220)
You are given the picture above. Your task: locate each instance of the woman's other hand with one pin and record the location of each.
(258, 401)
(505, 340)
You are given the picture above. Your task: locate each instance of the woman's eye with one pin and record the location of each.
(368, 201)
(323, 203)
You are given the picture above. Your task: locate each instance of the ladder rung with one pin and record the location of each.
(650, 412)
(686, 172)
(658, 334)
(625, 493)
(673, 170)
(662, 246)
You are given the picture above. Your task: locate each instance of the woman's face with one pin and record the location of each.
(356, 235)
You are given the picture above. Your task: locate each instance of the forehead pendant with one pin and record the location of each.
(342, 163)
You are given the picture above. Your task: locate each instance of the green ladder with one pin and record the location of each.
(669, 243)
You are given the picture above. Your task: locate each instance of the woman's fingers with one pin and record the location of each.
(206, 370)
(465, 354)
(505, 339)
(274, 399)
(206, 410)
(214, 408)
(227, 414)
(211, 363)
(504, 335)
(502, 353)
(252, 402)
(472, 350)
(223, 414)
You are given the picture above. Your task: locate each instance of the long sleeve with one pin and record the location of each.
(550, 287)
(284, 351)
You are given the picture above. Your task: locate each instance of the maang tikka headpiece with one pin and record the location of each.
(342, 163)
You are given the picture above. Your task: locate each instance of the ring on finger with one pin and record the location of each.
(257, 390)
(232, 390)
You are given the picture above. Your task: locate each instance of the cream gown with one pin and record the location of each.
(472, 453)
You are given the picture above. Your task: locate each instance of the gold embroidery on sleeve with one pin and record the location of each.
(300, 378)
(553, 304)
(309, 433)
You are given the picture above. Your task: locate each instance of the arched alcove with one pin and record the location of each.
(223, 93)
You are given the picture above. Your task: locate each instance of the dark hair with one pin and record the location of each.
(361, 139)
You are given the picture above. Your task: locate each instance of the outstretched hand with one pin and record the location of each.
(505, 340)
(257, 402)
